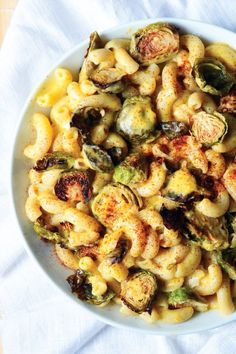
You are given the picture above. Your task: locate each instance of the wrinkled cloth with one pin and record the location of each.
(36, 318)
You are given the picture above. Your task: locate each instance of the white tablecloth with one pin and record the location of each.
(35, 317)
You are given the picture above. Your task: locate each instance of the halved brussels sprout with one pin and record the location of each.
(212, 76)
(138, 292)
(174, 129)
(208, 128)
(113, 201)
(84, 119)
(108, 80)
(73, 186)
(132, 170)
(209, 233)
(183, 297)
(227, 260)
(97, 158)
(136, 120)
(228, 102)
(80, 285)
(55, 160)
(174, 189)
(155, 43)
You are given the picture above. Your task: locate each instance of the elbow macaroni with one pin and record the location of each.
(133, 225)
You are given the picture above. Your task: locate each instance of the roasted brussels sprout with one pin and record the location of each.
(48, 232)
(174, 189)
(97, 158)
(174, 129)
(137, 120)
(108, 80)
(132, 170)
(84, 119)
(155, 43)
(212, 76)
(118, 254)
(80, 285)
(113, 201)
(139, 290)
(228, 102)
(227, 260)
(208, 128)
(73, 186)
(55, 160)
(183, 297)
(209, 233)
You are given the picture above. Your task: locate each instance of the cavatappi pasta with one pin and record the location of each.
(134, 174)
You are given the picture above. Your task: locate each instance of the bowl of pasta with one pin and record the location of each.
(124, 163)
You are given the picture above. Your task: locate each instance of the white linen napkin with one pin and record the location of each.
(36, 318)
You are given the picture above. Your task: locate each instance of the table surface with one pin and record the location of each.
(6, 10)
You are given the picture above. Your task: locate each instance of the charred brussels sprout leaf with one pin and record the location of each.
(139, 290)
(97, 158)
(172, 219)
(80, 285)
(94, 42)
(48, 232)
(209, 129)
(137, 120)
(228, 102)
(227, 260)
(212, 76)
(209, 233)
(55, 160)
(155, 43)
(183, 297)
(73, 186)
(174, 129)
(118, 254)
(132, 170)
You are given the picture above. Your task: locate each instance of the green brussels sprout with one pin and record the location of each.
(80, 285)
(209, 233)
(55, 160)
(108, 80)
(48, 232)
(113, 201)
(136, 120)
(174, 129)
(227, 260)
(228, 102)
(97, 158)
(155, 43)
(132, 170)
(184, 297)
(212, 76)
(73, 186)
(138, 292)
(209, 129)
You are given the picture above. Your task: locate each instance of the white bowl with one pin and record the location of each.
(42, 252)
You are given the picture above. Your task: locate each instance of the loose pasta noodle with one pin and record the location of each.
(54, 88)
